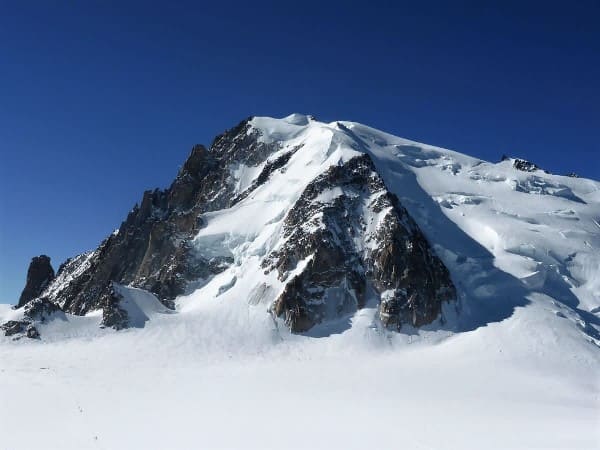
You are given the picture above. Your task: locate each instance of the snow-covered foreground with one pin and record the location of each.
(514, 364)
(515, 384)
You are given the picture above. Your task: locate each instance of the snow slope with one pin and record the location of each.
(515, 364)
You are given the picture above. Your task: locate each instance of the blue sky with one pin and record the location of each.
(102, 100)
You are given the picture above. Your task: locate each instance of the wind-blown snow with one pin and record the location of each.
(517, 366)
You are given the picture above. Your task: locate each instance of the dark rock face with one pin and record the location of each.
(352, 239)
(151, 249)
(39, 275)
(37, 310)
(32, 332)
(13, 327)
(20, 328)
(412, 280)
(40, 309)
(112, 314)
(525, 166)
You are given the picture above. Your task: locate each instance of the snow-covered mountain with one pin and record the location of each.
(288, 230)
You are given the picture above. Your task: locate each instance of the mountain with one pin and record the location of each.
(318, 220)
(394, 275)
(327, 237)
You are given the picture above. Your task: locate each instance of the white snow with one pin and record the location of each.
(140, 305)
(517, 366)
(244, 176)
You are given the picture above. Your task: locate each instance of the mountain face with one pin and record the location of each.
(356, 237)
(151, 248)
(343, 241)
(321, 227)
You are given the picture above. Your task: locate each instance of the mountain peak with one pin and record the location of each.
(320, 222)
(39, 275)
(298, 119)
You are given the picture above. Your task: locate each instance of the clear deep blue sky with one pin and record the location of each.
(102, 100)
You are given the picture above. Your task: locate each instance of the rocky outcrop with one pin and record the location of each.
(20, 328)
(522, 164)
(40, 309)
(39, 276)
(37, 310)
(13, 327)
(525, 166)
(112, 314)
(353, 239)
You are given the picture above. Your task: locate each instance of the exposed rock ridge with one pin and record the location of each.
(522, 164)
(39, 275)
(356, 241)
(151, 249)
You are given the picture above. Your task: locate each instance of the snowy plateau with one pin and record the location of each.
(512, 361)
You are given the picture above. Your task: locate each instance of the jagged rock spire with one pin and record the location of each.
(39, 275)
